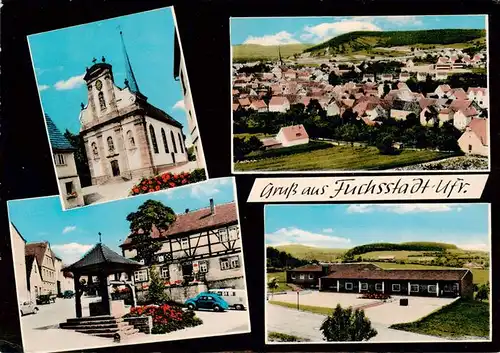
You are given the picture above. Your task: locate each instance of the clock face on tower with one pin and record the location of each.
(98, 85)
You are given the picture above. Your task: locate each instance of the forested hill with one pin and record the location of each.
(366, 40)
(410, 246)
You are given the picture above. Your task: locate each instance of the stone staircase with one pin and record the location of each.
(101, 326)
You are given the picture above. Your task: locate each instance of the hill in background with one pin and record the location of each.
(368, 40)
(245, 52)
(312, 253)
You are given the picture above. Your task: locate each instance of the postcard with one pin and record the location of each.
(355, 94)
(160, 267)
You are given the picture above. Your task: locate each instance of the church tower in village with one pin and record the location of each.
(125, 136)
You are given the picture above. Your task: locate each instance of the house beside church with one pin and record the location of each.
(200, 246)
(180, 74)
(474, 140)
(370, 278)
(70, 188)
(125, 136)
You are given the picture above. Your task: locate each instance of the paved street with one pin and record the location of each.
(41, 332)
(306, 325)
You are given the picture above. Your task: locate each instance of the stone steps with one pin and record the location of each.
(102, 326)
(70, 326)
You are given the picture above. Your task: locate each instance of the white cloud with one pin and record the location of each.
(279, 38)
(179, 105)
(325, 31)
(404, 208)
(293, 235)
(70, 83)
(68, 229)
(71, 252)
(42, 88)
(475, 246)
(402, 20)
(201, 191)
(328, 230)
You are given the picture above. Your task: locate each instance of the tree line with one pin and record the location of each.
(280, 260)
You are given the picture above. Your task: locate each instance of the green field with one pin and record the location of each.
(281, 278)
(312, 253)
(480, 276)
(269, 52)
(398, 255)
(342, 158)
(457, 320)
(258, 135)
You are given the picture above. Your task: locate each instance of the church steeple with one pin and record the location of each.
(132, 82)
(280, 61)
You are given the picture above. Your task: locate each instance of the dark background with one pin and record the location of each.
(26, 164)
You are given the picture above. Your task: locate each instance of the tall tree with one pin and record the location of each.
(156, 290)
(150, 213)
(82, 166)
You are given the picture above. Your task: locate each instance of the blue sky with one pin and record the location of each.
(72, 233)
(288, 30)
(60, 58)
(346, 226)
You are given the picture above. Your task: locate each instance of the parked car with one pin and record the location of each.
(236, 298)
(68, 294)
(45, 299)
(27, 307)
(207, 300)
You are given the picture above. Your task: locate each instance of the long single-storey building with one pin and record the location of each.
(370, 278)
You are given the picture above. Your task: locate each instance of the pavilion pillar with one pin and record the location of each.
(131, 279)
(78, 295)
(383, 287)
(437, 289)
(409, 288)
(105, 296)
(338, 286)
(359, 286)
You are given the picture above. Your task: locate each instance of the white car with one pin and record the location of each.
(236, 298)
(27, 307)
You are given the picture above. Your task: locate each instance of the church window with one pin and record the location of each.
(102, 102)
(130, 138)
(94, 150)
(111, 145)
(173, 141)
(181, 142)
(164, 138)
(59, 158)
(153, 138)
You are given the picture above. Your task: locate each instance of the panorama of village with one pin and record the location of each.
(387, 100)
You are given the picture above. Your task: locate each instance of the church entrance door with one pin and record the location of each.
(173, 157)
(115, 168)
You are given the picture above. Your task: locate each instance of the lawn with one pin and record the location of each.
(480, 276)
(341, 158)
(458, 320)
(258, 135)
(310, 308)
(281, 277)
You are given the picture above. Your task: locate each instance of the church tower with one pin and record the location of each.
(100, 89)
(280, 61)
(130, 80)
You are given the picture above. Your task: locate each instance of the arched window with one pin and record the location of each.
(181, 142)
(153, 138)
(130, 138)
(102, 102)
(164, 138)
(173, 141)
(111, 145)
(95, 152)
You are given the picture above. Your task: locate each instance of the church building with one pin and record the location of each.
(125, 136)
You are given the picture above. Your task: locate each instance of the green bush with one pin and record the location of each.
(347, 325)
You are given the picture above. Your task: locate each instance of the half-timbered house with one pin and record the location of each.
(199, 246)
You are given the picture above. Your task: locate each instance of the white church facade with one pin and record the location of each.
(125, 136)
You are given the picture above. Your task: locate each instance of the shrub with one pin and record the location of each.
(283, 337)
(347, 325)
(483, 292)
(167, 181)
(166, 318)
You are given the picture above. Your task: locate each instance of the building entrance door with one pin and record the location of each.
(59, 287)
(115, 168)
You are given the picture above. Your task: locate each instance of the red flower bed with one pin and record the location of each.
(166, 318)
(167, 181)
